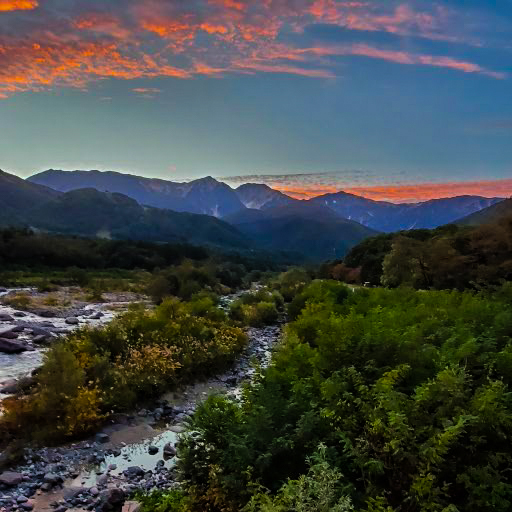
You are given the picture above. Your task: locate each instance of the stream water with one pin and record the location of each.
(14, 366)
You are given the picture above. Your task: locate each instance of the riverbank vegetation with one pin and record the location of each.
(94, 373)
(377, 400)
(449, 257)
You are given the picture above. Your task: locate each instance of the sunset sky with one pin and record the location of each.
(398, 100)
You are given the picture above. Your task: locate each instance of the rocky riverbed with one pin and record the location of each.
(26, 331)
(135, 452)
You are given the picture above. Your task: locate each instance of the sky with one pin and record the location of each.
(392, 99)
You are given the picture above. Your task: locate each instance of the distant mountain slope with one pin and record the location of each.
(389, 217)
(94, 213)
(17, 194)
(261, 197)
(488, 215)
(206, 195)
(313, 230)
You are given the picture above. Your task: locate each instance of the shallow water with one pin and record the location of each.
(14, 366)
(136, 454)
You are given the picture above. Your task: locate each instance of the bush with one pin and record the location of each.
(408, 391)
(95, 372)
(257, 309)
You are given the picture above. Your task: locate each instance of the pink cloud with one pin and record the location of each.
(150, 38)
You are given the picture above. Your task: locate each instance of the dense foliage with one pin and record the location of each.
(95, 372)
(257, 309)
(404, 396)
(444, 258)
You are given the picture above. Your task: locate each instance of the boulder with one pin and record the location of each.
(111, 499)
(153, 450)
(102, 438)
(133, 472)
(8, 335)
(9, 386)
(10, 478)
(4, 317)
(52, 479)
(40, 339)
(12, 347)
(72, 320)
(169, 450)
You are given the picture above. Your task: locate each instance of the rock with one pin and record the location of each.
(72, 320)
(97, 316)
(4, 317)
(102, 480)
(111, 499)
(10, 478)
(52, 479)
(9, 386)
(19, 314)
(8, 335)
(18, 328)
(39, 331)
(132, 506)
(133, 472)
(102, 438)
(153, 450)
(3, 290)
(46, 313)
(71, 493)
(12, 347)
(169, 450)
(94, 491)
(61, 508)
(178, 429)
(40, 338)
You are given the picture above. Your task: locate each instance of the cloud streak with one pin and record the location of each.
(305, 186)
(17, 5)
(73, 44)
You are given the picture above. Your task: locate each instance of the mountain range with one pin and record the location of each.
(211, 197)
(206, 211)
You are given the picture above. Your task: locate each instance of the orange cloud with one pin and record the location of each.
(409, 193)
(18, 5)
(150, 38)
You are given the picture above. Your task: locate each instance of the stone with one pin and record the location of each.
(39, 331)
(10, 478)
(102, 438)
(153, 450)
(111, 499)
(40, 338)
(178, 429)
(71, 493)
(131, 506)
(19, 314)
(12, 347)
(18, 328)
(29, 505)
(8, 335)
(9, 387)
(52, 479)
(72, 320)
(4, 317)
(133, 472)
(169, 450)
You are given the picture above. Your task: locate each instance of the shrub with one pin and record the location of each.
(134, 358)
(408, 391)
